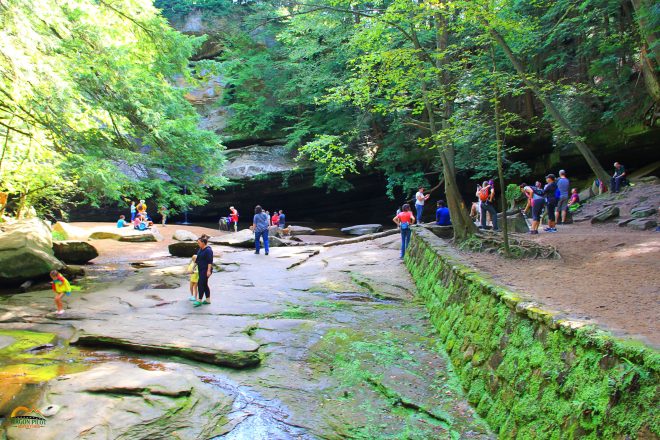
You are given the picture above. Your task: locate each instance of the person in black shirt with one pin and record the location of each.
(205, 267)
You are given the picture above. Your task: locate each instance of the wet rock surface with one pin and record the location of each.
(74, 252)
(343, 351)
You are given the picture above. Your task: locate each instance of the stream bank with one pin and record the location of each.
(530, 372)
(344, 350)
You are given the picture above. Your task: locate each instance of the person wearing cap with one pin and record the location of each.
(550, 191)
(564, 186)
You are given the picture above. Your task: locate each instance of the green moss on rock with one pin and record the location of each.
(529, 373)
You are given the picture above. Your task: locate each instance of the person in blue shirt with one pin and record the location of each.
(442, 214)
(282, 220)
(121, 223)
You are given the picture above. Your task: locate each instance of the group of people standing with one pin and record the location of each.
(555, 198)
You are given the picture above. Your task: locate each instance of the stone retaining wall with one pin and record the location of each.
(530, 373)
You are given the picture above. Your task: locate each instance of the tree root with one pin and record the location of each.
(520, 248)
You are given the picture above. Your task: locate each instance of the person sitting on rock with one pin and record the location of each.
(442, 217)
(618, 178)
(575, 197)
(122, 223)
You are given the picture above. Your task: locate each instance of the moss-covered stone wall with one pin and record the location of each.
(528, 372)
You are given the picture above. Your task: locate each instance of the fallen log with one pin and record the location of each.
(362, 238)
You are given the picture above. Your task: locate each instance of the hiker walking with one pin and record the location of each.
(404, 221)
(260, 228)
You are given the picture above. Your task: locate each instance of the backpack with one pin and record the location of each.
(405, 225)
(538, 191)
(484, 193)
(551, 191)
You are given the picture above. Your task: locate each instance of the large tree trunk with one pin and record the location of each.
(589, 156)
(649, 39)
(463, 225)
(500, 167)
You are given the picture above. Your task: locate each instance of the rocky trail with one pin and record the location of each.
(309, 342)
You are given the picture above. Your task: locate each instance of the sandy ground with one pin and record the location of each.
(608, 275)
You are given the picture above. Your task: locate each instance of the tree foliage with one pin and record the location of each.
(92, 108)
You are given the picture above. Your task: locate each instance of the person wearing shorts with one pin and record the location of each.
(535, 202)
(564, 186)
(550, 190)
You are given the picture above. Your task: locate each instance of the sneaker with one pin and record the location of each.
(534, 232)
(59, 312)
(551, 230)
(192, 298)
(197, 304)
(256, 252)
(205, 302)
(266, 253)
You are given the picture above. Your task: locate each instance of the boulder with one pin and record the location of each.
(183, 235)
(244, 238)
(515, 221)
(625, 222)
(183, 248)
(70, 232)
(300, 230)
(26, 251)
(74, 252)
(446, 232)
(362, 229)
(643, 224)
(605, 214)
(643, 211)
(104, 235)
(150, 235)
(585, 195)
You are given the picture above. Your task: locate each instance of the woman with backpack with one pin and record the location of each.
(550, 190)
(404, 220)
(535, 202)
(486, 195)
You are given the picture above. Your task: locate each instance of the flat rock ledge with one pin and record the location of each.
(243, 354)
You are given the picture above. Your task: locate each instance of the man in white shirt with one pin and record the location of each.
(420, 198)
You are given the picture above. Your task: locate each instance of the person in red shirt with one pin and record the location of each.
(275, 219)
(233, 215)
(404, 220)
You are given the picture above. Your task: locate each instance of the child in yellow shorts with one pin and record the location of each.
(194, 278)
(61, 287)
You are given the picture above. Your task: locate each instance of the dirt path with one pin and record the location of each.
(608, 275)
